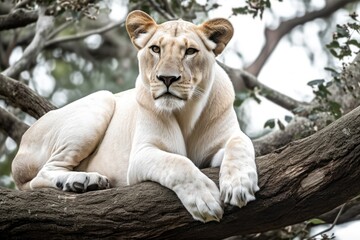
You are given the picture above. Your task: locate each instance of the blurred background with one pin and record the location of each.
(296, 48)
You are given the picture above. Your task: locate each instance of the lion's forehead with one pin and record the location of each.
(177, 27)
(176, 34)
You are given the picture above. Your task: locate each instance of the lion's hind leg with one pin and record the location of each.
(57, 172)
(57, 143)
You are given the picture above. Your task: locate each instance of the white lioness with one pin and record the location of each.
(179, 118)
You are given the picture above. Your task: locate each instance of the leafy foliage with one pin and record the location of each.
(253, 7)
(343, 46)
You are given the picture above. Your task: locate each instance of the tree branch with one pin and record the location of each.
(18, 18)
(84, 34)
(351, 213)
(298, 128)
(161, 11)
(12, 126)
(20, 95)
(295, 181)
(22, 4)
(43, 26)
(251, 83)
(303, 127)
(274, 36)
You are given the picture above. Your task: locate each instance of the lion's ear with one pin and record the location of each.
(219, 31)
(140, 27)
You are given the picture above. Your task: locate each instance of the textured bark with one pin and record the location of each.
(20, 95)
(12, 126)
(307, 120)
(351, 212)
(299, 181)
(18, 18)
(44, 25)
(298, 128)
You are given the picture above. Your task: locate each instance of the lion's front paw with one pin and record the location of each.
(82, 182)
(238, 187)
(201, 198)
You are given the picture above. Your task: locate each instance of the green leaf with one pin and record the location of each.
(335, 109)
(316, 221)
(281, 125)
(315, 82)
(354, 15)
(253, 95)
(268, 3)
(240, 10)
(334, 53)
(333, 44)
(331, 70)
(322, 91)
(238, 102)
(342, 31)
(288, 118)
(270, 123)
(354, 26)
(354, 42)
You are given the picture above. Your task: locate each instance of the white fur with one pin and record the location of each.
(106, 140)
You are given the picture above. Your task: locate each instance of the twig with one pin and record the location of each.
(162, 12)
(251, 82)
(84, 34)
(274, 36)
(60, 28)
(22, 4)
(43, 26)
(332, 225)
(169, 8)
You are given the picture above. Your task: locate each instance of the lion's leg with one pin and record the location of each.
(238, 175)
(197, 192)
(59, 141)
(58, 170)
(57, 173)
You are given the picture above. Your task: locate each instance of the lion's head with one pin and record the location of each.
(177, 58)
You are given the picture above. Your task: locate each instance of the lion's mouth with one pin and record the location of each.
(169, 95)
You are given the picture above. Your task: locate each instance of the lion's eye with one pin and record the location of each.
(191, 51)
(155, 49)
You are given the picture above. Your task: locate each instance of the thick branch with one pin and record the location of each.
(304, 127)
(12, 126)
(295, 182)
(274, 36)
(20, 95)
(298, 128)
(18, 18)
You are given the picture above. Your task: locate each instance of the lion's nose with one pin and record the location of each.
(168, 80)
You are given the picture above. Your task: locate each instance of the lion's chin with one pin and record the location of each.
(169, 103)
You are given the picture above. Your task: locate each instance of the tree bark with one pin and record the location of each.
(12, 126)
(18, 18)
(20, 95)
(299, 181)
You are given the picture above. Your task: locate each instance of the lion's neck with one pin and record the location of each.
(191, 113)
